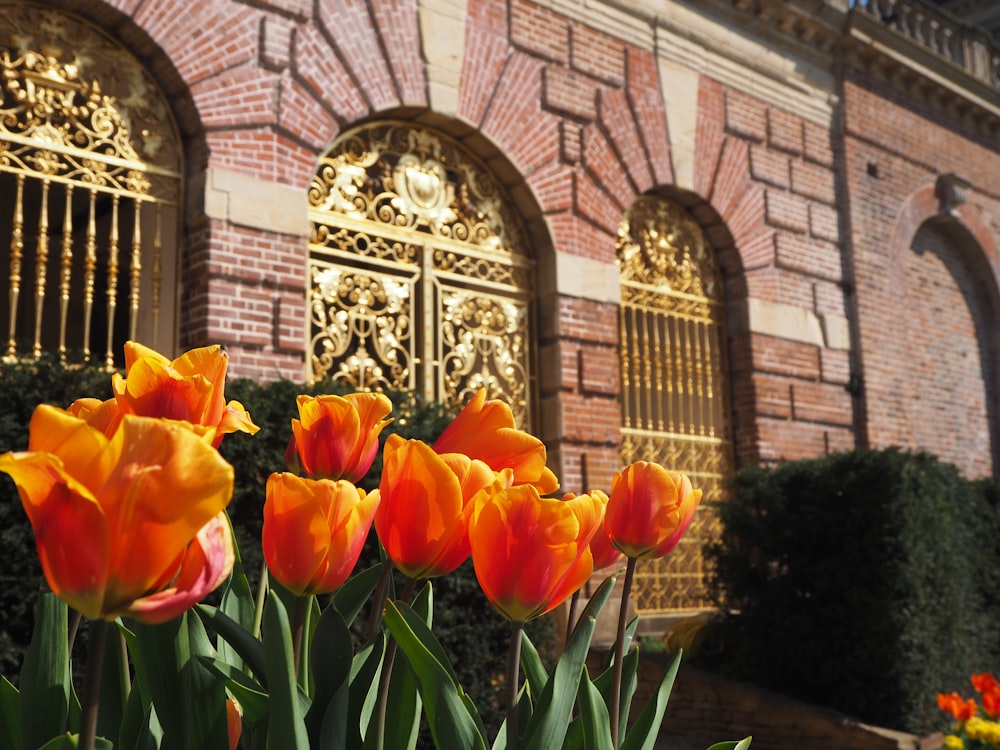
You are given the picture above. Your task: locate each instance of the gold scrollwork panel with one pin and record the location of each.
(674, 395)
(419, 273)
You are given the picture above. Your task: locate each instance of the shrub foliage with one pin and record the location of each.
(863, 581)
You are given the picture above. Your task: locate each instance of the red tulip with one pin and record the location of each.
(486, 430)
(314, 531)
(127, 524)
(953, 703)
(423, 517)
(531, 553)
(336, 437)
(649, 510)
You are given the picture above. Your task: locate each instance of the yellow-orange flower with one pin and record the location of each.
(649, 510)
(314, 530)
(423, 517)
(486, 430)
(530, 552)
(126, 524)
(336, 437)
(190, 388)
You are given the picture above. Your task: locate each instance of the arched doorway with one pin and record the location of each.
(675, 393)
(90, 192)
(420, 275)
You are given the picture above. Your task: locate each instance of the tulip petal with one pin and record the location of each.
(295, 537)
(71, 533)
(206, 564)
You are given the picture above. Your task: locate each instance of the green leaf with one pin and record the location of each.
(238, 603)
(594, 718)
(240, 638)
(171, 673)
(452, 725)
(43, 707)
(552, 713)
(71, 742)
(10, 727)
(365, 670)
(535, 675)
(115, 685)
(140, 729)
(351, 598)
(286, 727)
(251, 695)
(643, 734)
(630, 681)
(741, 745)
(330, 657)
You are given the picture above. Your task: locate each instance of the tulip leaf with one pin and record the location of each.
(365, 669)
(741, 745)
(115, 684)
(248, 647)
(642, 735)
(351, 598)
(333, 732)
(531, 664)
(45, 683)
(251, 696)
(71, 742)
(330, 657)
(286, 727)
(140, 729)
(451, 722)
(10, 727)
(630, 682)
(167, 662)
(553, 709)
(238, 603)
(594, 721)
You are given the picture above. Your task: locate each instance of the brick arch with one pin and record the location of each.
(943, 271)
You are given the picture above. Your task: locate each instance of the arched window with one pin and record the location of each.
(675, 404)
(419, 273)
(90, 184)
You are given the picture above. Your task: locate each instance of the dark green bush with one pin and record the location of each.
(472, 633)
(862, 581)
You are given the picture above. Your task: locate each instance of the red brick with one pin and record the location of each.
(814, 181)
(745, 115)
(569, 93)
(769, 166)
(784, 131)
(539, 31)
(787, 211)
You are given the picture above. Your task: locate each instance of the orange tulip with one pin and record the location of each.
(234, 722)
(600, 546)
(531, 552)
(953, 703)
(189, 388)
(314, 530)
(336, 437)
(423, 517)
(985, 682)
(486, 430)
(649, 510)
(127, 524)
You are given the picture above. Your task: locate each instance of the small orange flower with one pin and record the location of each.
(991, 703)
(234, 721)
(957, 706)
(423, 517)
(985, 682)
(649, 510)
(189, 389)
(486, 430)
(600, 546)
(127, 524)
(531, 553)
(336, 437)
(314, 530)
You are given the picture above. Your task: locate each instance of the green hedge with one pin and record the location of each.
(863, 581)
(473, 634)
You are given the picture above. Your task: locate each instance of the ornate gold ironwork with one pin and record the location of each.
(418, 270)
(674, 399)
(84, 135)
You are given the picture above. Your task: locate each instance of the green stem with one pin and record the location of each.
(616, 681)
(513, 678)
(298, 627)
(383, 583)
(92, 683)
(386, 676)
(74, 627)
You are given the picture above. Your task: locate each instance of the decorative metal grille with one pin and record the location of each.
(90, 186)
(419, 279)
(675, 404)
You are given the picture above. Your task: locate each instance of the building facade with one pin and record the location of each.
(710, 233)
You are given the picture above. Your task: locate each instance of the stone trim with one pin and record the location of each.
(789, 322)
(248, 201)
